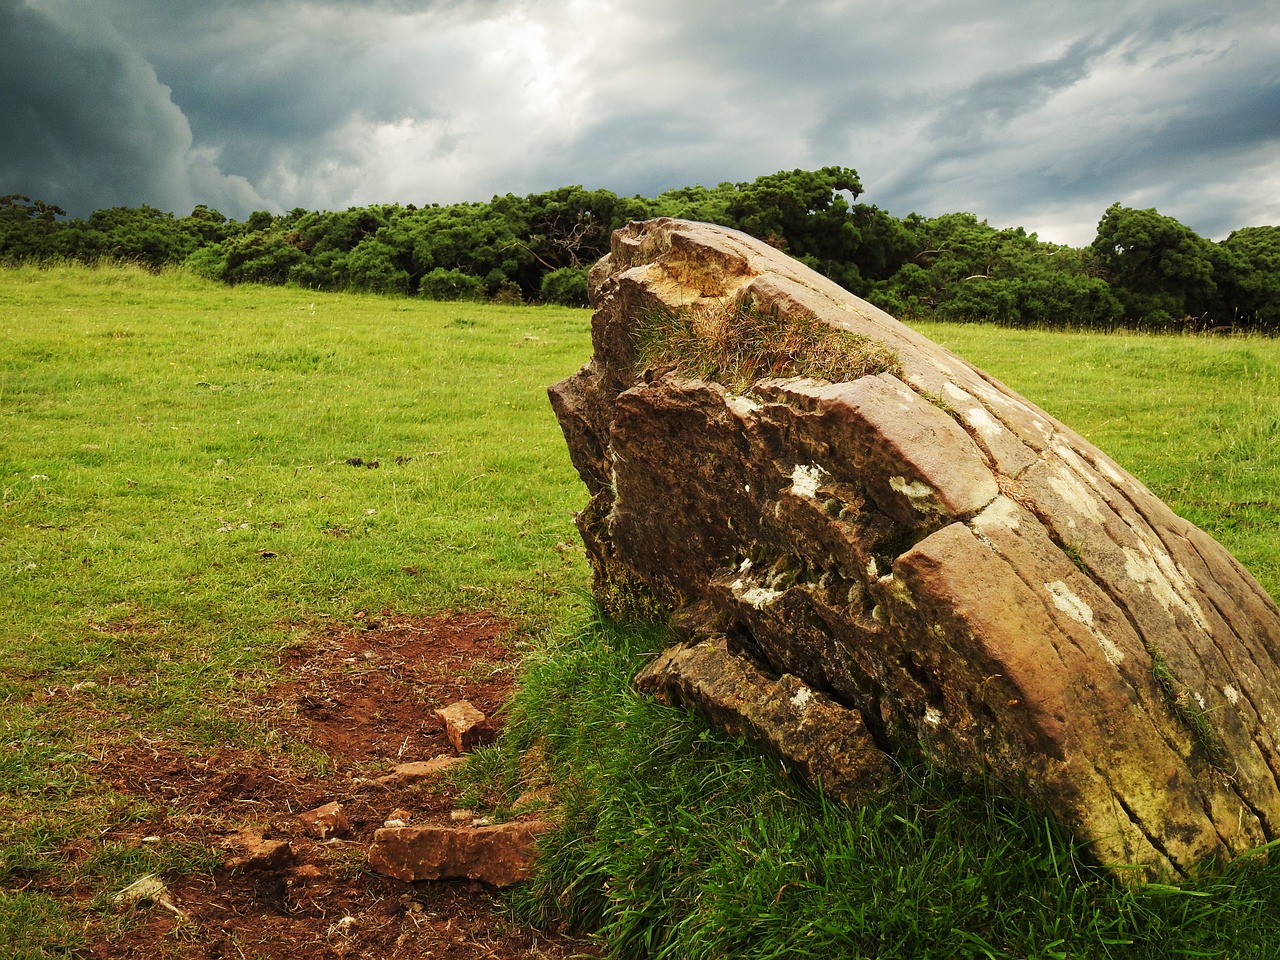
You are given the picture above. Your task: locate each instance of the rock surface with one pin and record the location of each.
(949, 567)
(826, 742)
(417, 771)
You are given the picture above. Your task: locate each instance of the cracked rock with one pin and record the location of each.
(946, 565)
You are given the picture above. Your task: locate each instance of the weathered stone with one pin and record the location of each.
(254, 852)
(499, 855)
(826, 742)
(465, 726)
(944, 563)
(324, 822)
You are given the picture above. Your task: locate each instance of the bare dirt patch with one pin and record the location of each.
(365, 698)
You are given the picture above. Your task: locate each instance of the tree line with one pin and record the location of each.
(1143, 270)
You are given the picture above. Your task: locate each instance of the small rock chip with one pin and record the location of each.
(466, 727)
(324, 822)
(258, 853)
(419, 770)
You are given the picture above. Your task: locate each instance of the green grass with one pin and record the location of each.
(177, 506)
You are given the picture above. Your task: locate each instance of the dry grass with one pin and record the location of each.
(738, 344)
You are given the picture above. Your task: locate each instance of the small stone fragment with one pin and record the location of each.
(324, 822)
(497, 855)
(466, 727)
(258, 853)
(418, 770)
(398, 817)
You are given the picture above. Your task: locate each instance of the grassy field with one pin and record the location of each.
(189, 486)
(180, 499)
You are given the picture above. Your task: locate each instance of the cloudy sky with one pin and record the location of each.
(1025, 113)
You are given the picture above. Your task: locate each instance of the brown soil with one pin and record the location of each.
(364, 698)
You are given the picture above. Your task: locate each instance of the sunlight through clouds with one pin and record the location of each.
(1024, 115)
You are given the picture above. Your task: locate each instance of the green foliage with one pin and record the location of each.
(1144, 270)
(737, 344)
(566, 287)
(26, 228)
(803, 212)
(1161, 270)
(1247, 272)
(442, 284)
(963, 269)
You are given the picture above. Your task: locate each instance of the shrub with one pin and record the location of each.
(566, 287)
(442, 284)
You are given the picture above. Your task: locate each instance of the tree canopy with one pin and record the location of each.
(1143, 269)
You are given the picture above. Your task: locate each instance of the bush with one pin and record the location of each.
(566, 287)
(442, 284)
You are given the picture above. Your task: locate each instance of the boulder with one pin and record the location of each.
(931, 556)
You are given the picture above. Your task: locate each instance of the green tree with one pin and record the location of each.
(704, 204)
(138, 234)
(806, 213)
(566, 286)
(442, 284)
(259, 257)
(965, 269)
(1161, 271)
(484, 241)
(1247, 273)
(572, 227)
(206, 225)
(27, 227)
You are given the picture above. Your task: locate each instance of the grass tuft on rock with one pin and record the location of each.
(738, 343)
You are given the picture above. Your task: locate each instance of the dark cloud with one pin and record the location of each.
(1039, 115)
(87, 124)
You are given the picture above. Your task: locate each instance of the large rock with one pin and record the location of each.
(955, 570)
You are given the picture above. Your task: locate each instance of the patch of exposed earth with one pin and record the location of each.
(363, 700)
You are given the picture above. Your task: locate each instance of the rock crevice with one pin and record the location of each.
(929, 556)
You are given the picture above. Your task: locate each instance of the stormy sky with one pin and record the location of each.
(1026, 114)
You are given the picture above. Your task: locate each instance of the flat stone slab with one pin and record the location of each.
(499, 855)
